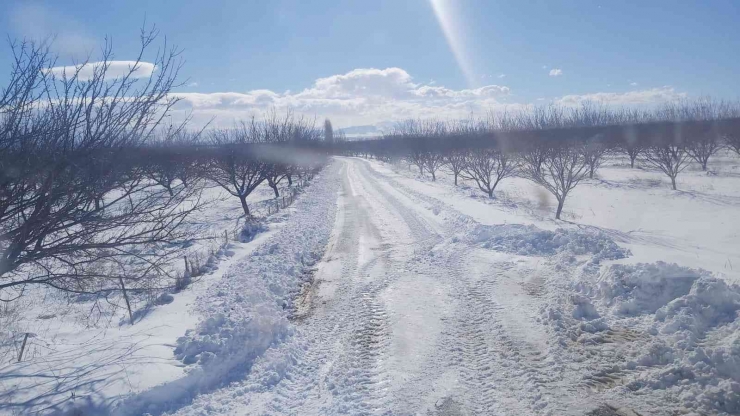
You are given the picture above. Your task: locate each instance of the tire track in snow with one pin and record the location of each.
(371, 339)
(310, 385)
(498, 368)
(338, 371)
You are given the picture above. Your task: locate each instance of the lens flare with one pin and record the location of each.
(450, 24)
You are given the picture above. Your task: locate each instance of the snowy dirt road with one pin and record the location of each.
(405, 317)
(416, 308)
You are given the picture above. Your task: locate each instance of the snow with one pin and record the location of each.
(381, 292)
(532, 241)
(644, 288)
(75, 363)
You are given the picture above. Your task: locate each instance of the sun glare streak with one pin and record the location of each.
(449, 22)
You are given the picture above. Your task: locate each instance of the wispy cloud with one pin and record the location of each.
(502, 75)
(631, 98)
(634, 84)
(556, 72)
(115, 69)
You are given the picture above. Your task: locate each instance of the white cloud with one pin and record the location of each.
(359, 97)
(631, 98)
(502, 75)
(115, 69)
(193, 84)
(556, 72)
(634, 84)
(378, 96)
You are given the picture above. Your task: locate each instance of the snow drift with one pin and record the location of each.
(687, 325)
(529, 240)
(644, 288)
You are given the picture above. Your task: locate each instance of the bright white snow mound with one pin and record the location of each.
(702, 329)
(691, 343)
(644, 288)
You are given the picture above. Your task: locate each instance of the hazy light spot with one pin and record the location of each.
(450, 24)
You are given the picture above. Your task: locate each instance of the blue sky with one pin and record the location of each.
(369, 61)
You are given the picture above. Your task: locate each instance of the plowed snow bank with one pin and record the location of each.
(529, 240)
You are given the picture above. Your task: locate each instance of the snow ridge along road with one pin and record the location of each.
(416, 308)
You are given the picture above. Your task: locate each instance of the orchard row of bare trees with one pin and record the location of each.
(97, 191)
(557, 147)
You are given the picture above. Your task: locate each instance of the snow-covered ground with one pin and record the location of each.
(80, 356)
(380, 292)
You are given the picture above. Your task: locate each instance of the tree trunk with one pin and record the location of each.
(455, 178)
(704, 164)
(275, 189)
(673, 182)
(23, 347)
(434, 177)
(243, 200)
(490, 193)
(632, 162)
(125, 297)
(290, 180)
(591, 173)
(560, 208)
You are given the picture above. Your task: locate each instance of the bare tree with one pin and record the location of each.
(488, 167)
(593, 153)
(455, 162)
(631, 147)
(161, 165)
(669, 158)
(732, 141)
(533, 156)
(702, 147)
(234, 166)
(276, 172)
(562, 169)
(434, 160)
(74, 200)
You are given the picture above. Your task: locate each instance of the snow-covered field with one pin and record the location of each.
(380, 292)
